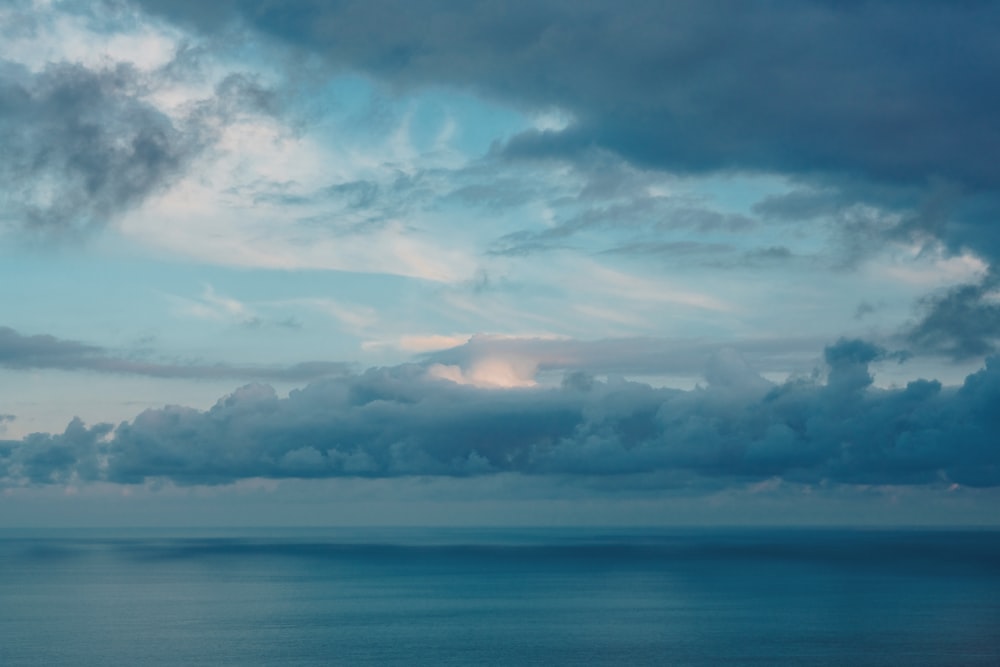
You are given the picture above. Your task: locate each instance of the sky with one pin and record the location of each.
(554, 262)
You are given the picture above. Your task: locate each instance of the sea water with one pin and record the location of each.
(500, 597)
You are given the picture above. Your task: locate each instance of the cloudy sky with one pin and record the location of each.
(499, 262)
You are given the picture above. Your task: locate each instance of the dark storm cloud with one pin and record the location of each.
(82, 145)
(20, 352)
(399, 422)
(892, 90)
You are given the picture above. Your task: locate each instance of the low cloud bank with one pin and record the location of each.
(41, 352)
(402, 421)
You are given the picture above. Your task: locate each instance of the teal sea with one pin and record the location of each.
(500, 597)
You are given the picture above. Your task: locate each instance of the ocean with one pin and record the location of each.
(500, 597)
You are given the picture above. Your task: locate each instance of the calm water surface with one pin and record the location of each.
(500, 597)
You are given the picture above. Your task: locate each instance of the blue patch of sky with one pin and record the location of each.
(368, 110)
(478, 123)
(126, 299)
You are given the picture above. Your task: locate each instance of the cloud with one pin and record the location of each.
(688, 85)
(85, 143)
(673, 249)
(609, 212)
(402, 421)
(880, 115)
(80, 147)
(5, 418)
(21, 352)
(59, 459)
(214, 306)
(621, 356)
(963, 322)
(866, 308)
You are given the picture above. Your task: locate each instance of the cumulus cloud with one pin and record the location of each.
(21, 352)
(402, 421)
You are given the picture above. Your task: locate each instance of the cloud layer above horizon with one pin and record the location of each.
(674, 244)
(403, 421)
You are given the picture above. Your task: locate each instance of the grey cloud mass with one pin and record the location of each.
(82, 145)
(398, 421)
(964, 322)
(21, 352)
(857, 87)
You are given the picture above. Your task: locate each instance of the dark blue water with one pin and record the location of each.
(509, 597)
